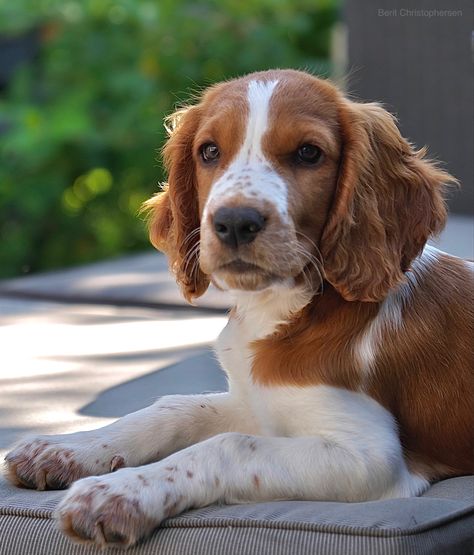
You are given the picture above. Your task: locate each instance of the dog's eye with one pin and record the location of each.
(209, 152)
(308, 155)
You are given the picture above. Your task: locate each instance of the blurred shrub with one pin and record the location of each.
(81, 124)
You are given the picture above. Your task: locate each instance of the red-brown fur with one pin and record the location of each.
(175, 211)
(388, 203)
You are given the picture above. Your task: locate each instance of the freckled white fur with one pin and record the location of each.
(250, 174)
(390, 315)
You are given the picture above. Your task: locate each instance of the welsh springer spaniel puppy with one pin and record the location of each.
(349, 346)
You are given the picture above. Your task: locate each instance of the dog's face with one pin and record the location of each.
(276, 177)
(266, 172)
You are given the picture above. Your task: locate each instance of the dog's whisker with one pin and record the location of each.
(192, 254)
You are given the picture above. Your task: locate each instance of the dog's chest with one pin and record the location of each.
(235, 355)
(292, 411)
(275, 410)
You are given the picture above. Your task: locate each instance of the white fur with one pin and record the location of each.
(390, 315)
(259, 96)
(470, 266)
(250, 173)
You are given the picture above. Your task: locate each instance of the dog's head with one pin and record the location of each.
(277, 177)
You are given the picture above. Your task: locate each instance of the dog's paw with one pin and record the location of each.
(54, 462)
(110, 510)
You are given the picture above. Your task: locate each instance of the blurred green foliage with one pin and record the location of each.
(80, 126)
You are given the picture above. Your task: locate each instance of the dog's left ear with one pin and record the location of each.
(174, 222)
(388, 202)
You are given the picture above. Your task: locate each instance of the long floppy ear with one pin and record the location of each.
(389, 200)
(174, 222)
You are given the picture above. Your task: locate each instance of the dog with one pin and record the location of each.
(348, 349)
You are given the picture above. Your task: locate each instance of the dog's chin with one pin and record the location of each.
(244, 276)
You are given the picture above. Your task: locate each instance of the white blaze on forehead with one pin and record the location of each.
(259, 95)
(250, 174)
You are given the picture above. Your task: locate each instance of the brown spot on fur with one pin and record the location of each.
(143, 480)
(105, 445)
(86, 498)
(189, 474)
(170, 468)
(256, 481)
(169, 479)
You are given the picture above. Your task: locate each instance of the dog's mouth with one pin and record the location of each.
(239, 266)
(240, 274)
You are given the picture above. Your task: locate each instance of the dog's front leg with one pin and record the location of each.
(123, 507)
(150, 434)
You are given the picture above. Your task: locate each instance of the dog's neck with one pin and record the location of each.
(261, 312)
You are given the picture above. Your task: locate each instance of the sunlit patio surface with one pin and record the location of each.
(65, 367)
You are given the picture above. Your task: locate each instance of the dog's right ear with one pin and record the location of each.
(174, 222)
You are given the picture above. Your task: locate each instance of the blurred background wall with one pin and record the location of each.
(416, 58)
(85, 85)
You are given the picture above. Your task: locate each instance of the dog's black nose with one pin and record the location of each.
(237, 226)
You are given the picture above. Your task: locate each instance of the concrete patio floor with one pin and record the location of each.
(81, 347)
(68, 367)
